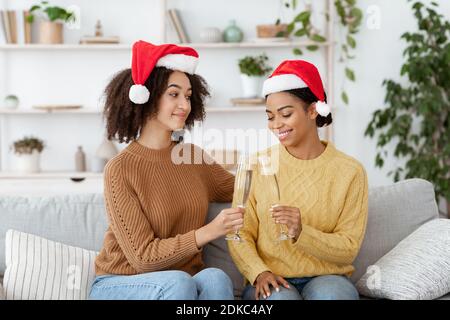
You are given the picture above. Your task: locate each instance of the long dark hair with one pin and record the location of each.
(125, 119)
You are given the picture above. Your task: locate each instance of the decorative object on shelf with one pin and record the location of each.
(99, 38)
(271, 31)
(211, 35)
(11, 101)
(98, 29)
(253, 70)
(57, 107)
(80, 160)
(28, 152)
(178, 25)
(233, 33)
(248, 101)
(105, 151)
(416, 113)
(51, 24)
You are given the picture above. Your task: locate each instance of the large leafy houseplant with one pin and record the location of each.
(417, 119)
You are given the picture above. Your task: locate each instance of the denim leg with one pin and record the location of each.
(213, 284)
(283, 294)
(330, 287)
(161, 285)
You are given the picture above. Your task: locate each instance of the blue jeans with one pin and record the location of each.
(327, 287)
(208, 284)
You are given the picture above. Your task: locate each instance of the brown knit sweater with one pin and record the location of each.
(154, 207)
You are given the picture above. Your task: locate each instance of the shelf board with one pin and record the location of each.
(36, 111)
(126, 47)
(4, 111)
(81, 47)
(50, 175)
(235, 109)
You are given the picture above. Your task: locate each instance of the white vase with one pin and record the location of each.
(251, 86)
(106, 150)
(29, 163)
(211, 35)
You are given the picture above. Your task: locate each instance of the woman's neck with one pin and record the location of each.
(309, 149)
(155, 137)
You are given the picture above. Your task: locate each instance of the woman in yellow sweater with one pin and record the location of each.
(323, 200)
(157, 191)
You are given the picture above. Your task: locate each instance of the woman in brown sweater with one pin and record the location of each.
(157, 191)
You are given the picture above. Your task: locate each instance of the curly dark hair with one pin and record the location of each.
(125, 119)
(306, 95)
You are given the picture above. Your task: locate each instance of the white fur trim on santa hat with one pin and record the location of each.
(322, 108)
(139, 94)
(282, 82)
(180, 62)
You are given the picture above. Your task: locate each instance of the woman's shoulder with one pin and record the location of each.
(347, 163)
(114, 165)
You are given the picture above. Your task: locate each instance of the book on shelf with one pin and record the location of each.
(26, 27)
(15, 26)
(178, 25)
(99, 40)
(248, 101)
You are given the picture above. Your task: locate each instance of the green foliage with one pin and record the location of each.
(27, 145)
(350, 17)
(417, 117)
(254, 66)
(52, 13)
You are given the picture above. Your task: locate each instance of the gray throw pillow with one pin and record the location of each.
(418, 268)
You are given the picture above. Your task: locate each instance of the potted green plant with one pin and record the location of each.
(52, 20)
(253, 69)
(417, 118)
(28, 152)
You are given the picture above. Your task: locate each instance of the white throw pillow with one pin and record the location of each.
(40, 269)
(418, 268)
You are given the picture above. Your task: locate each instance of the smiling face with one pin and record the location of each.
(288, 120)
(174, 105)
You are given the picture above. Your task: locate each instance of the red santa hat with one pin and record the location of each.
(296, 74)
(147, 56)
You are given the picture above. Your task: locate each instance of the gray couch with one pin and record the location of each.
(79, 220)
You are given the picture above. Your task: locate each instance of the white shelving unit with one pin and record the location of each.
(327, 48)
(127, 47)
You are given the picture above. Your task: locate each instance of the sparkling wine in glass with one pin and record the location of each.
(271, 183)
(242, 185)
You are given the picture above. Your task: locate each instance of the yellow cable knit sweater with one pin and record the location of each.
(331, 192)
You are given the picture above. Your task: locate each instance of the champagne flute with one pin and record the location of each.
(242, 185)
(271, 182)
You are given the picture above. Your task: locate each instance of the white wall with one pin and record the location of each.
(79, 76)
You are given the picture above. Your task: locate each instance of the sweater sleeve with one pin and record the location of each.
(342, 245)
(245, 254)
(133, 231)
(220, 181)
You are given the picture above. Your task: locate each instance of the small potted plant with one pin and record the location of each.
(28, 152)
(253, 70)
(52, 20)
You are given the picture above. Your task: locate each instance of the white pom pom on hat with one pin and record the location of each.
(322, 108)
(146, 56)
(139, 94)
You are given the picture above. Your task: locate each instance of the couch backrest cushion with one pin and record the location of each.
(395, 211)
(77, 220)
